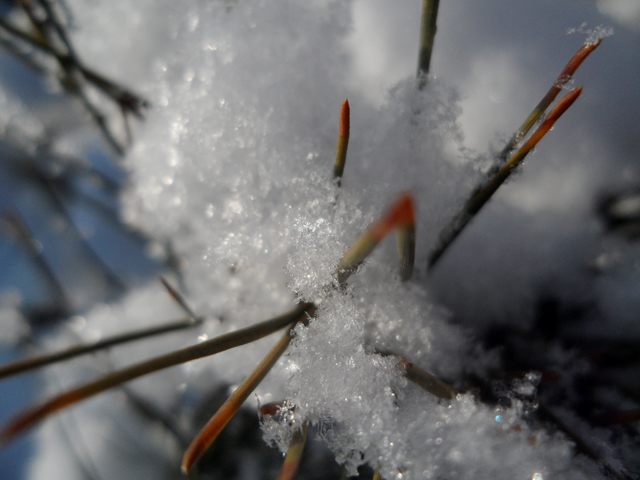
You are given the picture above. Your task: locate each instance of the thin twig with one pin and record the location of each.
(132, 102)
(226, 412)
(565, 77)
(400, 215)
(343, 142)
(427, 36)
(58, 199)
(51, 30)
(204, 349)
(25, 236)
(485, 192)
(59, 29)
(581, 445)
(293, 458)
(22, 366)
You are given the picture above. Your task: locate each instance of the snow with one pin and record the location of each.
(232, 169)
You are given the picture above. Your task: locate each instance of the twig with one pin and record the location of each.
(427, 36)
(226, 412)
(52, 33)
(479, 199)
(58, 199)
(133, 103)
(293, 459)
(400, 216)
(150, 411)
(204, 349)
(57, 26)
(343, 142)
(21, 366)
(565, 77)
(25, 236)
(581, 445)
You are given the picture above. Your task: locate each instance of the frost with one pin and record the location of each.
(594, 35)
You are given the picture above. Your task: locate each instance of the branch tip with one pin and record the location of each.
(343, 141)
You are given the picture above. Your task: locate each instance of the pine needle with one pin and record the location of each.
(479, 199)
(21, 366)
(220, 419)
(376, 474)
(427, 36)
(178, 297)
(490, 188)
(565, 77)
(400, 216)
(293, 459)
(210, 347)
(424, 379)
(343, 142)
(406, 238)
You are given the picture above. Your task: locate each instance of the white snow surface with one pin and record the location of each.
(232, 168)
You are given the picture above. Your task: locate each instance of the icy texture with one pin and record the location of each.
(594, 35)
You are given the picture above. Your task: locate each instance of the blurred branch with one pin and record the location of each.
(204, 349)
(15, 221)
(52, 40)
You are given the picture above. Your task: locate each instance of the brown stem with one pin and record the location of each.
(427, 36)
(479, 199)
(204, 349)
(564, 78)
(226, 412)
(21, 366)
(424, 379)
(343, 142)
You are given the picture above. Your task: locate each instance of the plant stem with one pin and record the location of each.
(204, 349)
(485, 192)
(21, 366)
(565, 76)
(400, 216)
(427, 36)
(226, 412)
(343, 142)
(293, 459)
